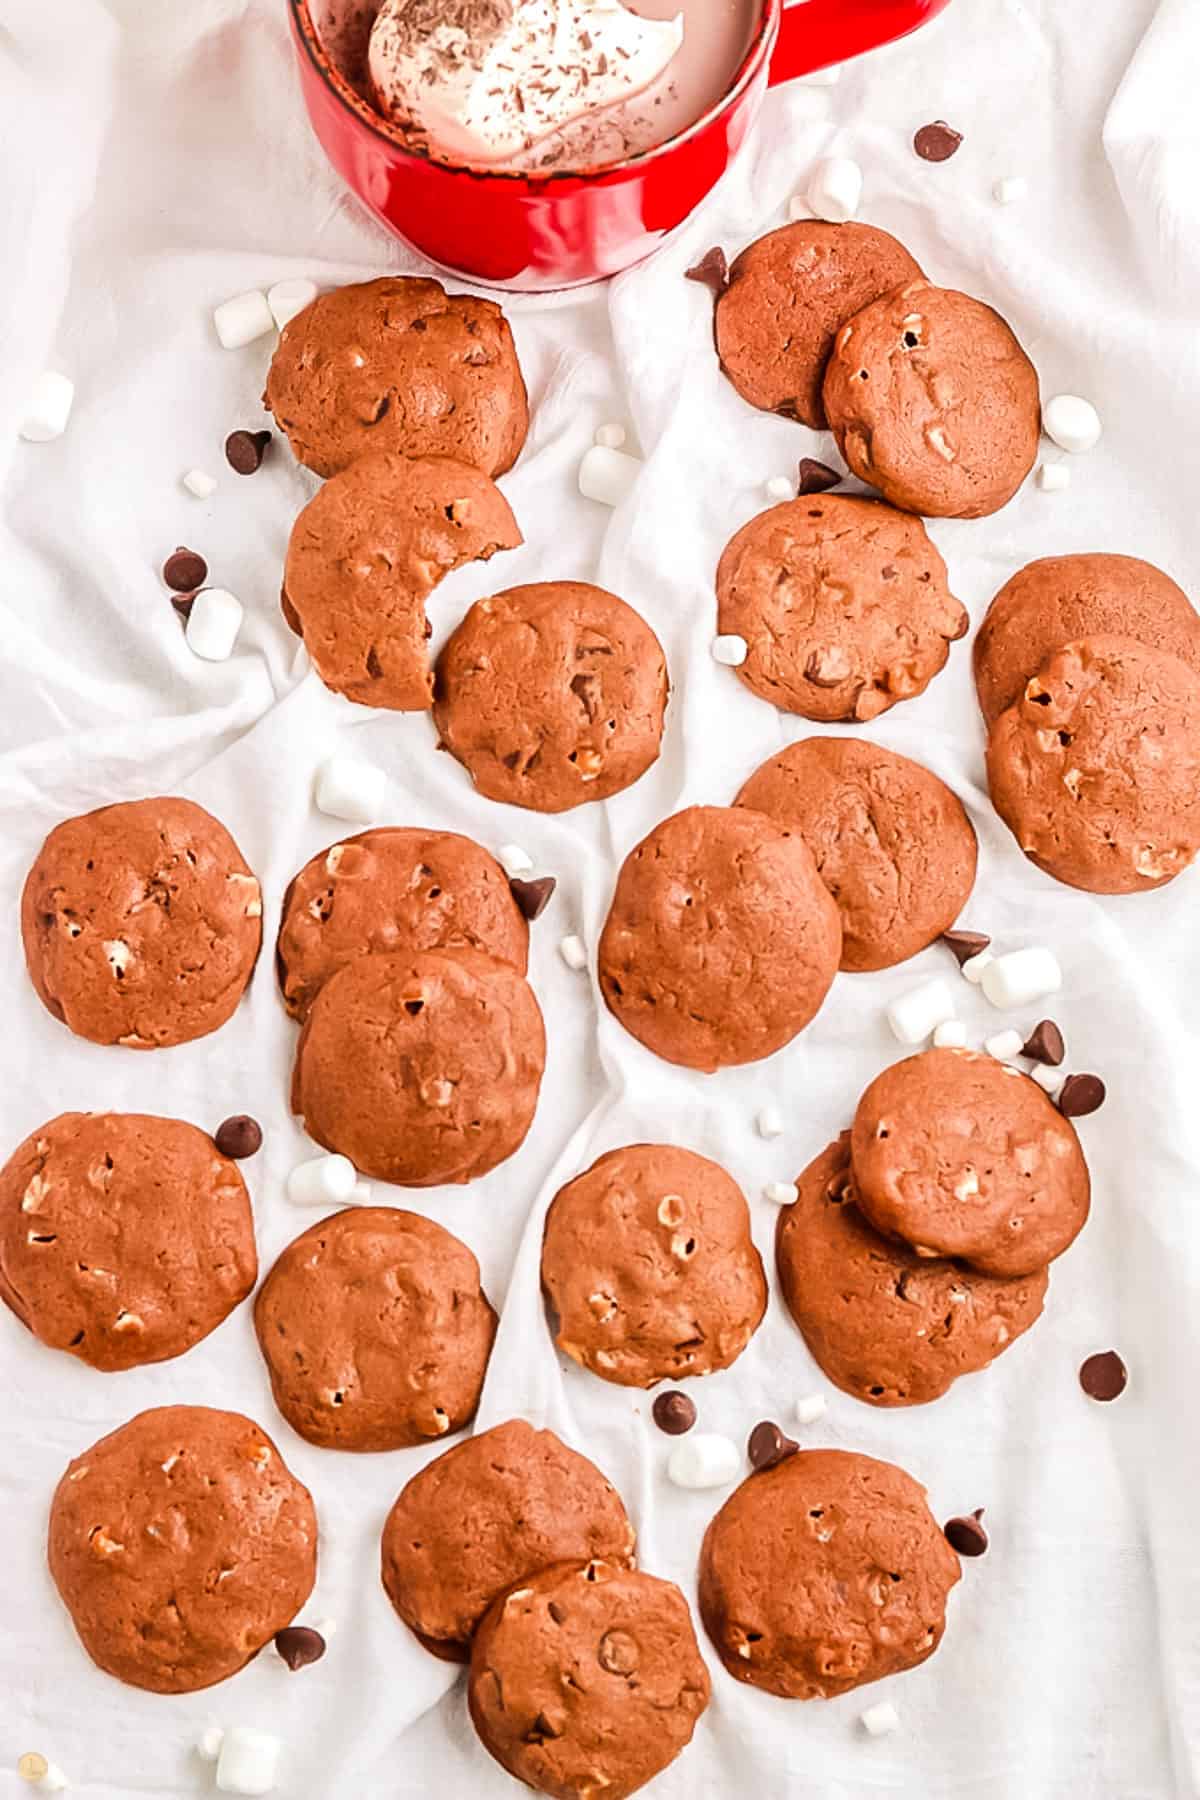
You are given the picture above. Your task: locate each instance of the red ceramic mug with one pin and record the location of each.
(535, 231)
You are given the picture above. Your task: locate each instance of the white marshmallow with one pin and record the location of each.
(213, 624)
(241, 320)
(1074, 424)
(881, 1720)
(704, 1459)
(363, 1194)
(1005, 1045)
(1022, 977)
(770, 1122)
(210, 1742)
(514, 861)
(611, 437)
(348, 788)
(323, 1181)
(950, 1035)
(53, 1781)
(608, 476)
(573, 951)
(1046, 1077)
(811, 1408)
(249, 1761)
(835, 189)
(823, 77)
(730, 651)
(798, 208)
(327, 1628)
(916, 1015)
(1010, 189)
(287, 298)
(1054, 478)
(48, 408)
(779, 488)
(780, 1193)
(198, 483)
(973, 968)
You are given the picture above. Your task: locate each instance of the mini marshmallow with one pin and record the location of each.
(573, 951)
(770, 1122)
(327, 1628)
(48, 408)
(1074, 424)
(608, 476)
(287, 298)
(916, 1015)
(1005, 1045)
(1047, 1078)
(348, 788)
(950, 1035)
(53, 1781)
(323, 1181)
(780, 1193)
(730, 651)
(798, 208)
(974, 967)
(611, 437)
(213, 624)
(1022, 977)
(779, 488)
(514, 861)
(240, 320)
(198, 483)
(210, 1742)
(249, 1761)
(835, 189)
(811, 1408)
(704, 1459)
(1054, 478)
(363, 1194)
(881, 1720)
(1010, 189)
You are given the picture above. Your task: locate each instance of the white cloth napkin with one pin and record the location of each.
(153, 161)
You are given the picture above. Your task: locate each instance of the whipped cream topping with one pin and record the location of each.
(485, 80)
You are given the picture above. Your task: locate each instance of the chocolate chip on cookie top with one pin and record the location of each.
(1060, 599)
(485, 1515)
(393, 888)
(422, 1067)
(551, 695)
(365, 555)
(722, 940)
(788, 296)
(123, 1239)
(843, 605)
(180, 1544)
(649, 1265)
(933, 401)
(892, 844)
(586, 1678)
(886, 1325)
(960, 1155)
(1096, 769)
(399, 364)
(141, 923)
(375, 1331)
(823, 1573)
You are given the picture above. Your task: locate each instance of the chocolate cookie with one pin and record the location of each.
(789, 294)
(123, 1239)
(180, 1544)
(823, 1573)
(933, 401)
(886, 1325)
(364, 557)
(551, 695)
(586, 1679)
(960, 1155)
(649, 1264)
(843, 605)
(375, 1331)
(892, 844)
(722, 940)
(423, 1066)
(141, 923)
(1060, 599)
(1096, 769)
(399, 364)
(485, 1515)
(393, 888)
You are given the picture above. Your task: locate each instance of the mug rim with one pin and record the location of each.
(357, 108)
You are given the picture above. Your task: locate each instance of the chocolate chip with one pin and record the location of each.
(239, 1137)
(244, 450)
(674, 1413)
(965, 944)
(817, 477)
(299, 1645)
(1045, 1044)
(825, 670)
(937, 142)
(1081, 1095)
(1103, 1376)
(183, 604)
(618, 1652)
(712, 270)
(967, 1536)
(768, 1446)
(533, 897)
(185, 570)
(557, 1613)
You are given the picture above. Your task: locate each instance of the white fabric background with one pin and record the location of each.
(153, 161)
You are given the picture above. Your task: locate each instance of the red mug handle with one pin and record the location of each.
(815, 33)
